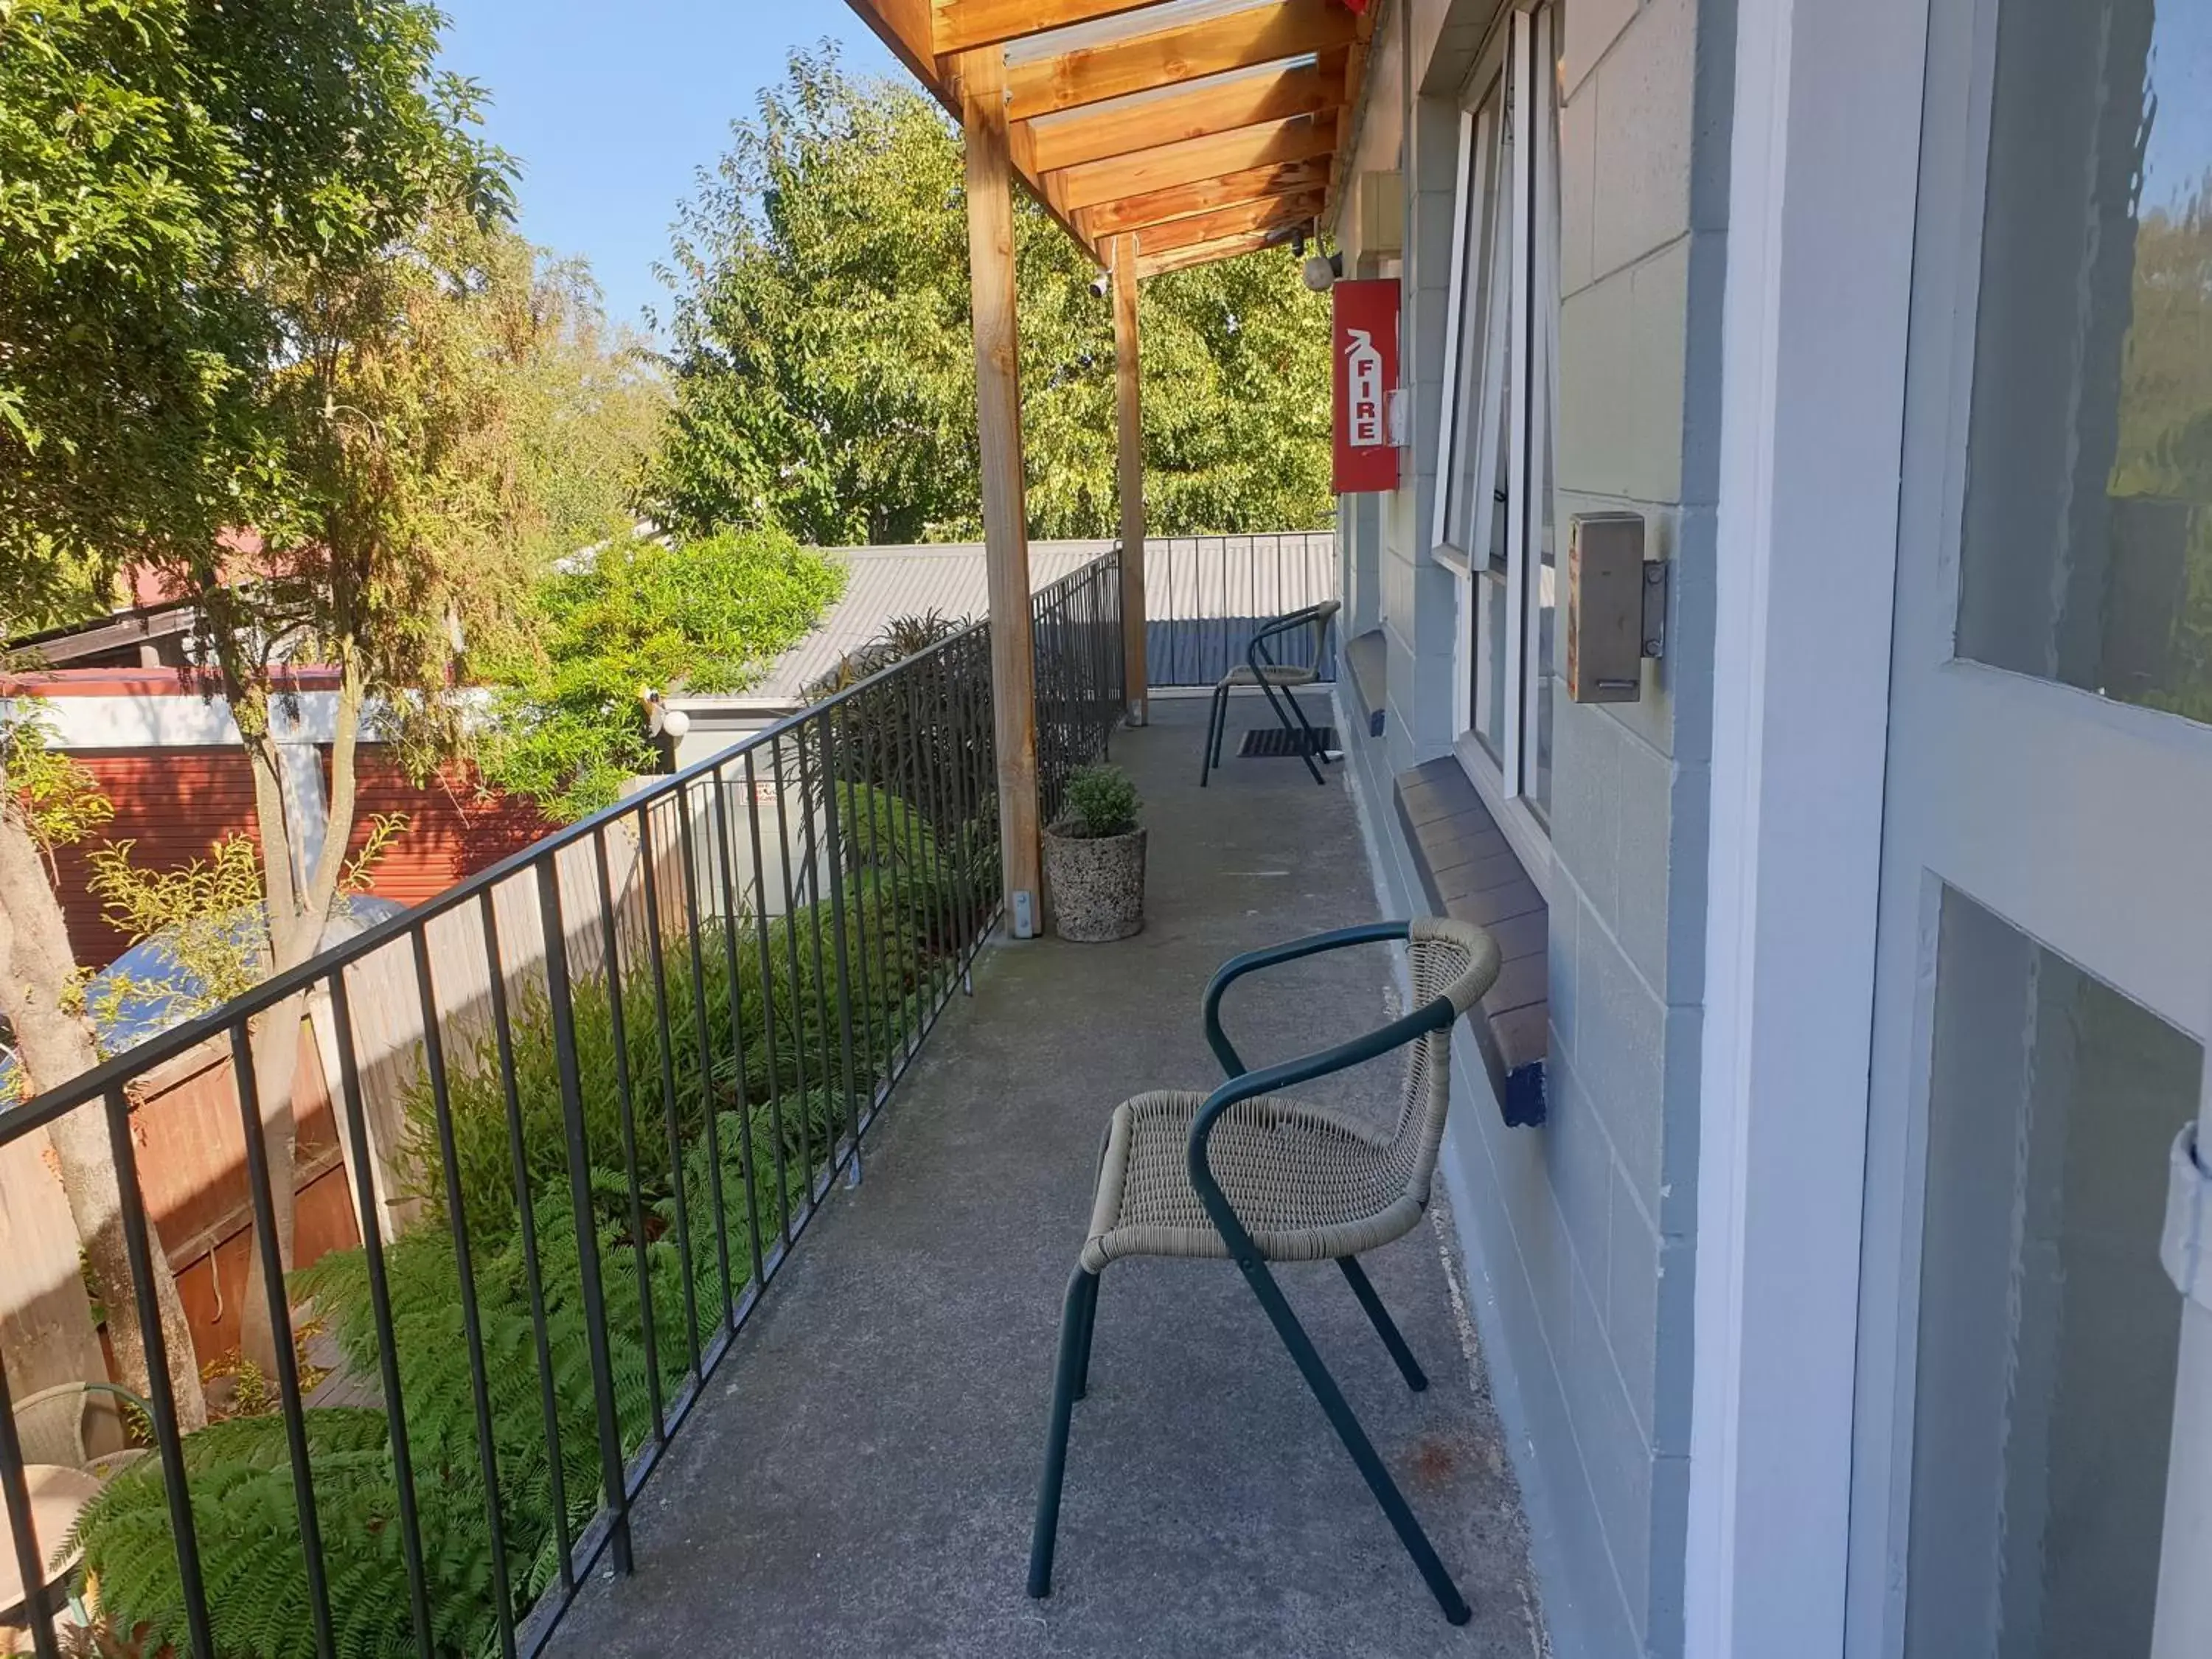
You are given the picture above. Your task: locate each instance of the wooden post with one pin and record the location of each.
(1130, 463)
(982, 77)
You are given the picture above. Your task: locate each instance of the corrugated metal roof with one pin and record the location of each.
(1191, 584)
(886, 582)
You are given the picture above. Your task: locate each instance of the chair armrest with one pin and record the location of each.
(144, 1407)
(1255, 650)
(1433, 1016)
(1232, 1064)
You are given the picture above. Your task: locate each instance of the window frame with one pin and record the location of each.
(1495, 340)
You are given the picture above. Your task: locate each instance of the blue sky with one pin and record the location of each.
(612, 109)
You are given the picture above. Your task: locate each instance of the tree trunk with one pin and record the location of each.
(297, 916)
(54, 1045)
(276, 1048)
(276, 1044)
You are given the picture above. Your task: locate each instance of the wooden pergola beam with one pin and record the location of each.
(1202, 253)
(1222, 105)
(1303, 138)
(1184, 51)
(1272, 213)
(964, 25)
(1135, 212)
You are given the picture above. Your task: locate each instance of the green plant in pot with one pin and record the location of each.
(1093, 858)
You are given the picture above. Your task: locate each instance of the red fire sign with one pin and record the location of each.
(1365, 344)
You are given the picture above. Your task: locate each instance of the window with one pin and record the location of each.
(1493, 504)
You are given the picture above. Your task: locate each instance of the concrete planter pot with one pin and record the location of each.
(1095, 885)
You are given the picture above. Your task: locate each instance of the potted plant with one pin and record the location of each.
(1093, 858)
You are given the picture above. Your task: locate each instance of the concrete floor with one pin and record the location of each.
(859, 1481)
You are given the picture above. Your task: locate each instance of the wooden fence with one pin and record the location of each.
(190, 1137)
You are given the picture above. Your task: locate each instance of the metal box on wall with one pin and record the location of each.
(1605, 634)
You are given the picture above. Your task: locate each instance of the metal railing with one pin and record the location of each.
(1077, 626)
(591, 1098)
(1205, 596)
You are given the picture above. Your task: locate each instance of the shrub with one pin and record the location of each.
(1101, 801)
(727, 1142)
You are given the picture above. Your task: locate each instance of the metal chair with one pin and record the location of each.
(1246, 1175)
(1261, 668)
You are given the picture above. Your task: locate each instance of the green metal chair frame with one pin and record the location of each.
(1260, 668)
(1433, 1020)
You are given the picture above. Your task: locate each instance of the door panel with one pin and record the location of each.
(2044, 973)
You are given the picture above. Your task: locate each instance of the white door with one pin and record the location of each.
(2025, 1419)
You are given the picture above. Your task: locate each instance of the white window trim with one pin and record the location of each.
(1508, 85)
(1820, 222)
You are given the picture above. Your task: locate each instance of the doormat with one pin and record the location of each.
(1281, 743)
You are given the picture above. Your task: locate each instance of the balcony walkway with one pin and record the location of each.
(859, 1479)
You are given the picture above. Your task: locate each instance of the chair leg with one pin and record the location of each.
(1385, 1327)
(1220, 728)
(1074, 1333)
(1312, 736)
(1090, 1324)
(1401, 1514)
(1206, 761)
(1306, 750)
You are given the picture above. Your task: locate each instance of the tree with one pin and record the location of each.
(46, 801)
(822, 367)
(225, 241)
(130, 183)
(409, 536)
(639, 614)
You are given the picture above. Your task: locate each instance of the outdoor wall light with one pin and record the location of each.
(661, 720)
(1321, 271)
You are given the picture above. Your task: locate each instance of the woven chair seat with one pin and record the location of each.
(1277, 674)
(1309, 1184)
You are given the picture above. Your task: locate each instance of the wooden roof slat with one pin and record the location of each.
(1300, 139)
(1180, 201)
(1205, 254)
(1186, 51)
(1270, 213)
(963, 25)
(1198, 111)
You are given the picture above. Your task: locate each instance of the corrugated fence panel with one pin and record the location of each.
(1205, 597)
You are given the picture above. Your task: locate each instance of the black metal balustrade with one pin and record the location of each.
(1077, 626)
(592, 1097)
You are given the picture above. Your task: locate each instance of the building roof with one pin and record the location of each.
(888, 582)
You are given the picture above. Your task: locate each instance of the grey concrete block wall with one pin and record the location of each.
(1582, 1232)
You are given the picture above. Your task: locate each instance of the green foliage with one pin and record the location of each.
(732, 1124)
(2165, 448)
(205, 918)
(823, 368)
(587, 405)
(58, 798)
(634, 615)
(164, 166)
(897, 640)
(1101, 801)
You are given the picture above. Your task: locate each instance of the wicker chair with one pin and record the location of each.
(1260, 668)
(1247, 1175)
(49, 1427)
